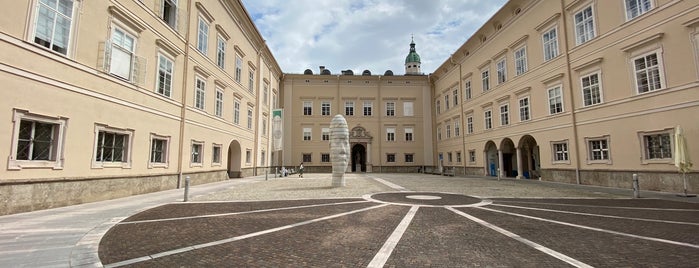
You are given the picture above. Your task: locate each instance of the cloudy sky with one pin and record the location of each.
(366, 34)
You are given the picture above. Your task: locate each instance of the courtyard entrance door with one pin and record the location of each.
(358, 158)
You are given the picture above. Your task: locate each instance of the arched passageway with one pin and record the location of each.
(491, 159)
(528, 151)
(508, 158)
(358, 158)
(233, 166)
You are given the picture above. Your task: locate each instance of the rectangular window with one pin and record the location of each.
(238, 68)
(502, 71)
(485, 77)
(390, 109)
(168, 13)
(448, 127)
(112, 146)
(263, 158)
(439, 133)
(248, 156)
(409, 158)
(438, 107)
(555, 100)
(349, 108)
(249, 118)
(54, 24)
(446, 102)
(521, 60)
(307, 134)
(265, 93)
(37, 141)
(325, 158)
(325, 134)
(165, 66)
(368, 105)
(197, 153)
(457, 127)
(591, 90)
(598, 149)
(584, 25)
(390, 134)
(216, 154)
(550, 41)
(307, 158)
(657, 146)
(472, 156)
(469, 124)
(449, 157)
(221, 52)
(408, 108)
(158, 150)
(307, 108)
(199, 94)
(647, 73)
(635, 8)
(560, 151)
(488, 115)
(391, 158)
(458, 157)
(504, 114)
(251, 81)
(467, 90)
(455, 94)
(218, 108)
(264, 125)
(408, 134)
(325, 108)
(202, 35)
(122, 54)
(524, 113)
(236, 112)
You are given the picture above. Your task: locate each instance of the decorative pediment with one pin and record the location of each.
(360, 132)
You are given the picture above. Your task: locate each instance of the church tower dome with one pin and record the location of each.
(412, 61)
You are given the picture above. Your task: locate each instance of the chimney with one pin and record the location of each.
(322, 68)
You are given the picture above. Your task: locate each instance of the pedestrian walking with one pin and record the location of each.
(301, 170)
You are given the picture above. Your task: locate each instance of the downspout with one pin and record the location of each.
(381, 136)
(570, 96)
(256, 95)
(183, 103)
(461, 116)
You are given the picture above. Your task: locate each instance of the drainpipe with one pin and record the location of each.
(576, 144)
(183, 103)
(461, 116)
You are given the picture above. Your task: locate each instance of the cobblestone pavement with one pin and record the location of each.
(399, 220)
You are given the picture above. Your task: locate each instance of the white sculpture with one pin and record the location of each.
(339, 149)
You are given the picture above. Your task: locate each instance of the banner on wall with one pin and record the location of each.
(277, 129)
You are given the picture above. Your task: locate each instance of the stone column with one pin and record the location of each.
(499, 166)
(486, 163)
(520, 167)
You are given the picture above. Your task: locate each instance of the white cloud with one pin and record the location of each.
(366, 34)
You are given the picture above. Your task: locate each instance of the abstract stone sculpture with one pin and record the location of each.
(339, 149)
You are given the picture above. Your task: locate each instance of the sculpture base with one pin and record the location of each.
(338, 181)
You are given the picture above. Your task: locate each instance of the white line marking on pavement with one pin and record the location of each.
(232, 239)
(392, 185)
(596, 229)
(527, 242)
(593, 206)
(385, 252)
(241, 212)
(599, 215)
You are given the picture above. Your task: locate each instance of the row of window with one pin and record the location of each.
(367, 108)
(390, 134)
(390, 158)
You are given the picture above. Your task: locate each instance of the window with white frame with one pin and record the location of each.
(199, 95)
(168, 13)
(657, 146)
(408, 108)
(555, 95)
(584, 25)
(488, 116)
(448, 128)
(197, 156)
(449, 157)
(203, 35)
(308, 158)
(238, 68)
(216, 154)
(53, 26)
(457, 127)
(112, 147)
(236, 112)
(159, 151)
(438, 107)
(165, 71)
(408, 134)
(472, 156)
(218, 107)
(263, 158)
(467, 89)
(505, 114)
(37, 141)
(307, 133)
(325, 108)
(550, 42)
(560, 151)
(409, 158)
(446, 102)
(265, 93)
(122, 54)
(524, 112)
(391, 158)
(635, 8)
(502, 71)
(248, 156)
(325, 158)
(390, 109)
(591, 89)
(598, 149)
(251, 81)
(325, 134)
(264, 125)
(469, 124)
(521, 60)
(349, 108)
(368, 105)
(274, 100)
(439, 133)
(458, 157)
(249, 118)
(221, 52)
(390, 134)
(307, 108)
(485, 78)
(648, 72)
(455, 94)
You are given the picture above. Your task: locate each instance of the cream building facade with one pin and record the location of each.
(103, 99)
(583, 91)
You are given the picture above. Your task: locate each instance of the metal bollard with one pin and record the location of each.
(186, 189)
(265, 174)
(636, 188)
(276, 171)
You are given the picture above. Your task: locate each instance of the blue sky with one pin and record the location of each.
(366, 34)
